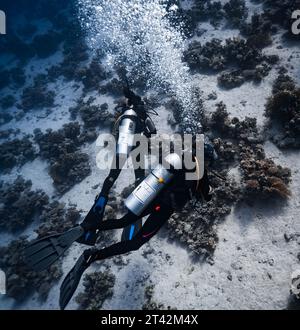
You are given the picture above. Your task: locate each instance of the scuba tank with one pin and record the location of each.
(152, 185)
(127, 127)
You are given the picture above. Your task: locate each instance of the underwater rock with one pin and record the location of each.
(4, 134)
(258, 31)
(98, 287)
(93, 115)
(21, 281)
(241, 144)
(279, 12)
(16, 152)
(195, 225)
(69, 169)
(231, 79)
(283, 112)
(91, 76)
(216, 55)
(37, 96)
(55, 218)
(55, 143)
(68, 165)
(19, 204)
(150, 304)
(14, 78)
(7, 102)
(262, 177)
(113, 87)
(5, 117)
(236, 12)
(205, 10)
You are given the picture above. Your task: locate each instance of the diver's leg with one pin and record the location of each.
(95, 215)
(155, 221)
(159, 215)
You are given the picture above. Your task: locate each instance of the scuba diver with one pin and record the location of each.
(134, 119)
(163, 191)
(156, 196)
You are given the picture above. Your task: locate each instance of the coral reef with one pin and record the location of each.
(16, 152)
(19, 204)
(68, 165)
(236, 12)
(21, 281)
(7, 102)
(149, 303)
(98, 287)
(55, 218)
(92, 76)
(258, 31)
(92, 115)
(113, 87)
(249, 62)
(280, 13)
(262, 178)
(283, 111)
(231, 79)
(195, 225)
(37, 96)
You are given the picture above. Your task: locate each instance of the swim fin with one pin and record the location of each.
(71, 281)
(42, 253)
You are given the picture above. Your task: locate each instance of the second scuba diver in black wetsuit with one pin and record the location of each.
(134, 119)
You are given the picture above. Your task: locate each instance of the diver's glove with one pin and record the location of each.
(92, 221)
(71, 281)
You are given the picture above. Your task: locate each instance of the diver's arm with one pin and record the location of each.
(150, 128)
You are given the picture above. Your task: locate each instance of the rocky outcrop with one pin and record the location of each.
(21, 281)
(68, 165)
(19, 204)
(98, 287)
(16, 152)
(283, 112)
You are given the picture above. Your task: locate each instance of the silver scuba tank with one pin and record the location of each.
(151, 186)
(126, 132)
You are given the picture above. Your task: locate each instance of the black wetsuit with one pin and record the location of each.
(142, 127)
(173, 197)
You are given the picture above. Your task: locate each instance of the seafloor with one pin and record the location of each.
(237, 252)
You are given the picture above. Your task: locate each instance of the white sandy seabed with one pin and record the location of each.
(252, 264)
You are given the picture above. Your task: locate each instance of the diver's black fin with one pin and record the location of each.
(42, 253)
(131, 230)
(71, 281)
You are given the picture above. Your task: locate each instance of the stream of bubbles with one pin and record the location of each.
(138, 35)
